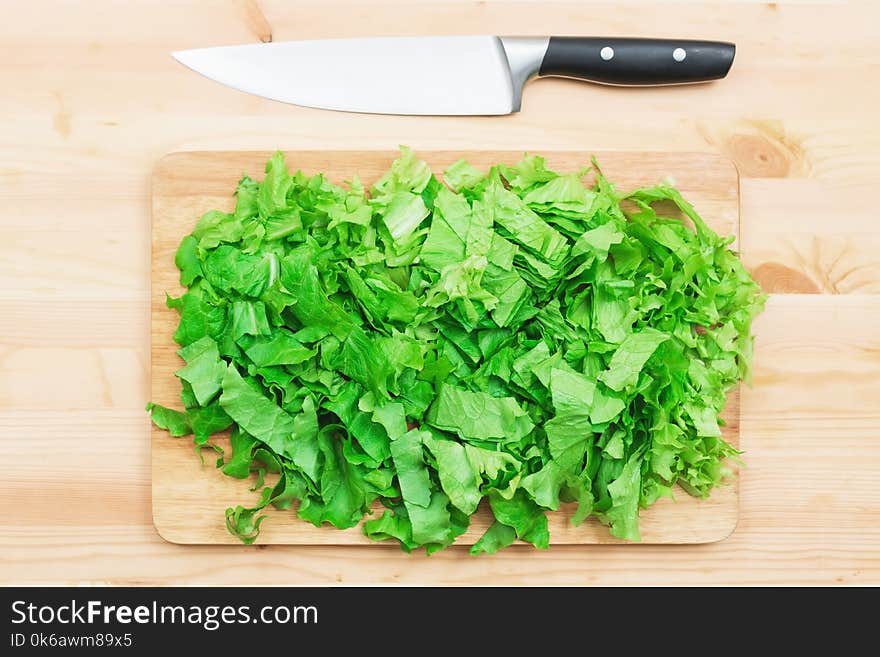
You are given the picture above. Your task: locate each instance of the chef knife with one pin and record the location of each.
(449, 74)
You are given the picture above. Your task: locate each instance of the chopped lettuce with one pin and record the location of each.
(507, 340)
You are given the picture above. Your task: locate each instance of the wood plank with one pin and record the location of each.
(189, 500)
(790, 245)
(89, 108)
(801, 520)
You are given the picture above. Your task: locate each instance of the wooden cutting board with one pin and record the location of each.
(189, 499)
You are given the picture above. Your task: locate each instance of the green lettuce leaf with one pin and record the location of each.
(394, 355)
(630, 357)
(479, 415)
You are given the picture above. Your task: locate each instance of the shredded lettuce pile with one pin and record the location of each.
(514, 338)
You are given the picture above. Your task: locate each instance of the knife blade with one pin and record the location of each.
(448, 75)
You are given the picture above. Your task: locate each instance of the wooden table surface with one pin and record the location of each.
(91, 100)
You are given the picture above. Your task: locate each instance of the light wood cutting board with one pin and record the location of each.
(189, 499)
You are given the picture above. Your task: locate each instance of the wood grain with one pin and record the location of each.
(189, 499)
(90, 106)
(811, 453)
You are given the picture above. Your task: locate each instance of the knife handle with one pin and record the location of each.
(637, 62)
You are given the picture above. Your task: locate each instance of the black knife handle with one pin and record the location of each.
(637, 62)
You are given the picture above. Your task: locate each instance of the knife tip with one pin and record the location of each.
(181, 55)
